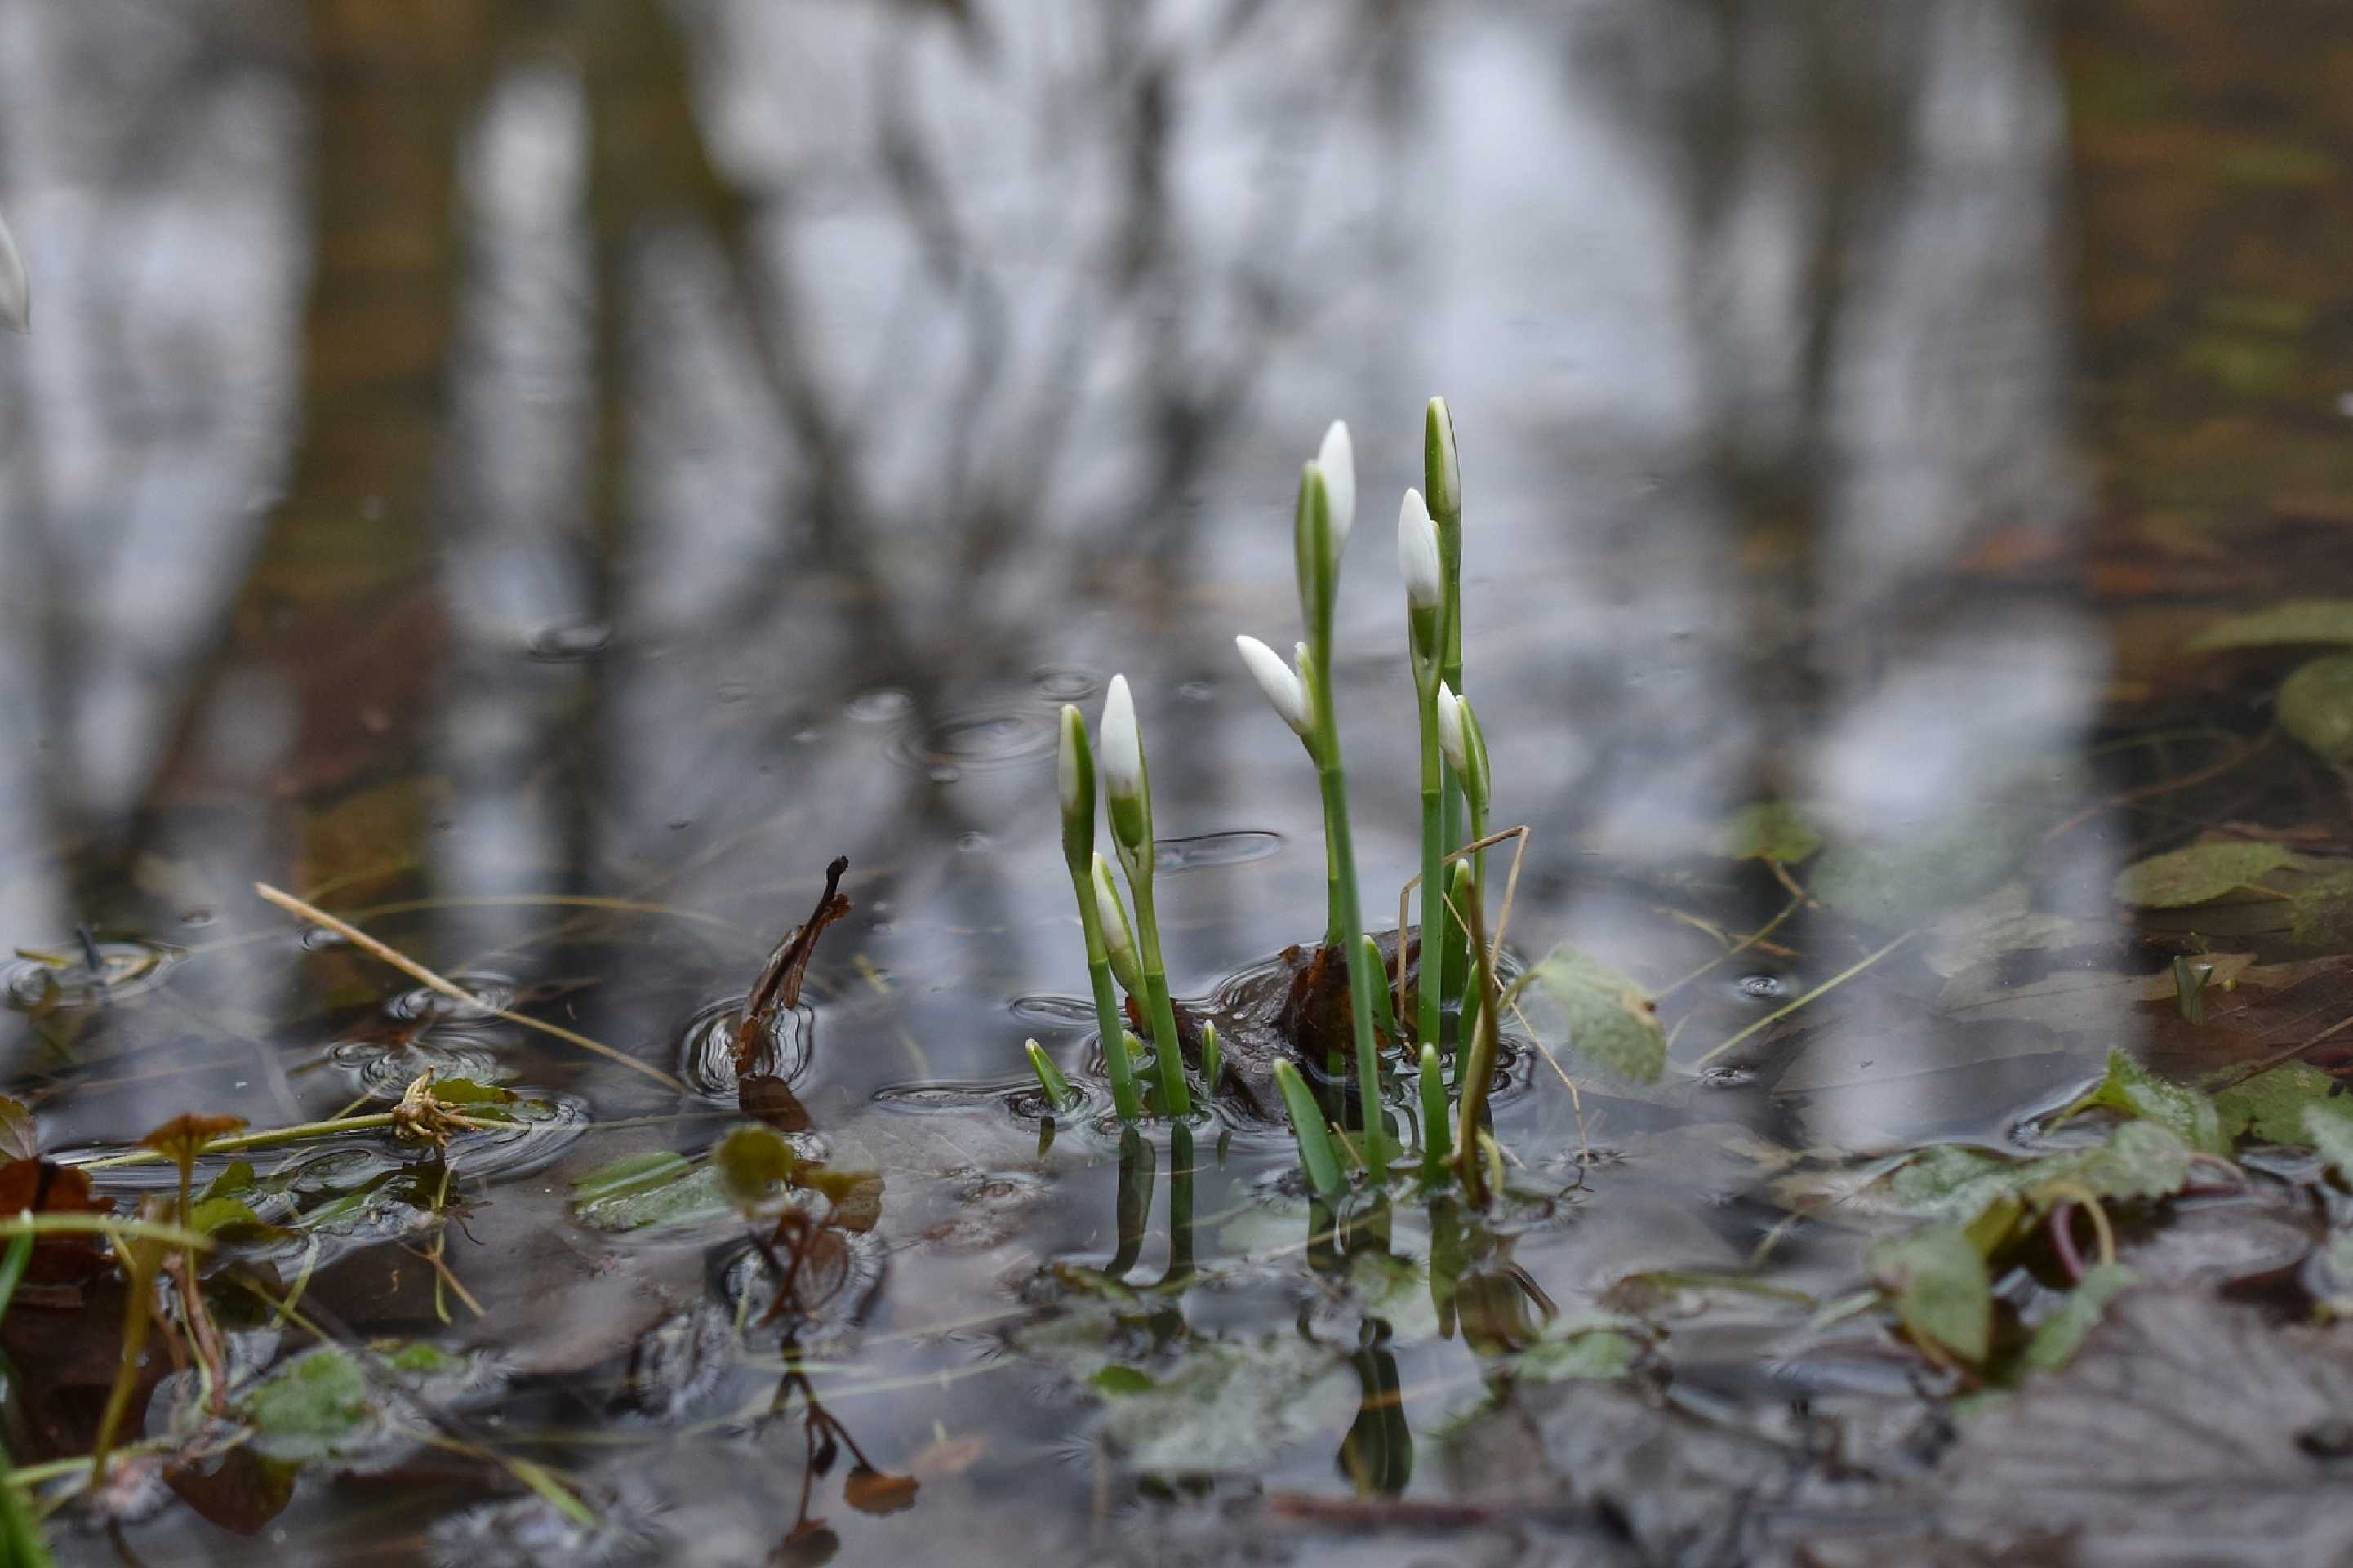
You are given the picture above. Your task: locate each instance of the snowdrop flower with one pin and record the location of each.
(1282, 685)
(1418, 557)
(1337, 457)
(15, 287)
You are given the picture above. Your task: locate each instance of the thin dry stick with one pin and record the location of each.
(451, 989)
(1502, 917)
(1759, 934)
(1832, 984)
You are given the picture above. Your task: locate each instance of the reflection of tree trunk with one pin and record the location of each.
(350, 547)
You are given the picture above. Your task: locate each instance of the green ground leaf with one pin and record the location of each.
(1123, 1380)
(2198, 874)
(1904, 879)
(2130, 1089)
(1769, 830)
(1939, 1288)
(1611, 1021)
(2320, 913)
(2315, 706)
(2296, 621)
(2056, 1338)
(19, 1138)
(2328, 1123)
(2139, 1161)
(2270, 1106)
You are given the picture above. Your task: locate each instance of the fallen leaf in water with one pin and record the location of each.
(41, 1187)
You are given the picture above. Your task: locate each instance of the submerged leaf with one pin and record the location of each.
(20, 1138)
(2197, 874)
(2315, 706)
(2297, 621)
(1940, 1289)
(1611, 1021)
(755, 1166)
(875, 1491)
(659, 1190)
(39, 1186)
(1593, 1345)
(1769, 830)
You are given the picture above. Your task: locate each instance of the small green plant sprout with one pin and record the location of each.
(1127, 799)
(1060, 1095)
(1435, 1144)
(1316, 1155)
(1089, 882)
(16, 286)
(1212, 1058)
(1423, 568)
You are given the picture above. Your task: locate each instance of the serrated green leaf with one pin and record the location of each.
(2315, 706)
(2297, 621)
(312, 1407)
(1769, 830)
(2130, 1089)
(1611, 1021)
(2197, 874)
(2270, 1106)
(1939, 1288)
(2056, 1338)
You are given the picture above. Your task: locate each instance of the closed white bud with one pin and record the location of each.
(1441, 467)
(1068, 774)
(1338, 458)
(1450, 728)
(16, 286)
(1279, 682)
(1121, 763)
(1418, 557)
(1119, 938)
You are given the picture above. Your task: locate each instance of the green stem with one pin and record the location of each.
(1476, 1074)
(1176, 1100)
(1334, 779)
(1435, 1144)
(1429, 989)
(1123, 1096)
(254, 1140)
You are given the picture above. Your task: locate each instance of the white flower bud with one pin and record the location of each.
(1418, 557)
(1338, 458)
(1279, 682)
(1450, 728)
(1120, 762)
(1068, 775)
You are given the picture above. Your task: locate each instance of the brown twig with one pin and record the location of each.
(778, 989)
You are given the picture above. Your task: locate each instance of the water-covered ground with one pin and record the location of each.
(539, 482)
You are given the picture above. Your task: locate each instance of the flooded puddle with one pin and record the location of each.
(536, 489)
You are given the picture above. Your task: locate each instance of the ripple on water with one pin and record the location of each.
(835, 1281)
(385, 1070)
(992, 738)
(423, 1004)
(1173, 855)
(707, 1047)
(1064, 683)
(124, 969)
(878, 706)
(1052, 1011)
(567, 642)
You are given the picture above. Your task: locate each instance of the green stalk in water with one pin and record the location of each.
(1077, 778)
(1127, 794)
(1384, 1016)
(1435, 1144)
(1212, 1060)
(1465, 747)
(1424, 571)
(1327, 500)
(1290, 690)
(1317, 1157)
